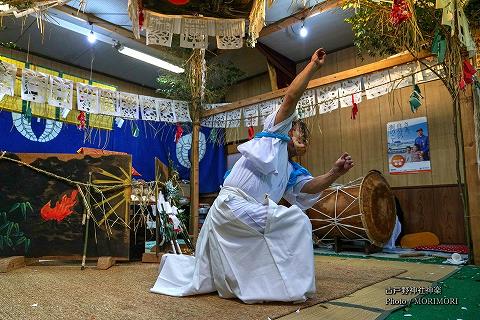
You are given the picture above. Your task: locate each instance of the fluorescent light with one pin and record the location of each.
(91, 37)
(149, 59)
(303, 32)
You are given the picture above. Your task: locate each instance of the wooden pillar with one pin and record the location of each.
(272, 73)
(472, 177)
(197, 79)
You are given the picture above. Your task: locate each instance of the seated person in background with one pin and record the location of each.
(250, 248)
(408, 154)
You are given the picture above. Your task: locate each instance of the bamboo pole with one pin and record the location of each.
(197, 83)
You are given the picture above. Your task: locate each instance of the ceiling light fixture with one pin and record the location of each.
(147, 58)
(303, 30)
(91, 36)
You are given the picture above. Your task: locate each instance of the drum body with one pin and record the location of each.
(361, 211)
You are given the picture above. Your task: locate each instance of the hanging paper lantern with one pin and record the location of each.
(178, 133)
(179, 2)
(400, 12)
(82, 120)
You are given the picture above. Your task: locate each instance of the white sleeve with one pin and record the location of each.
(282, 127)
(303, 200)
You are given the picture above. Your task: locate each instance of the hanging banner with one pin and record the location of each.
(154, 139)
(408, 146)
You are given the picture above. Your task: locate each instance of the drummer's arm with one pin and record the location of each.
(320, 183)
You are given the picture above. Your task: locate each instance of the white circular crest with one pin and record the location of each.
(185, 144)
(52, 128)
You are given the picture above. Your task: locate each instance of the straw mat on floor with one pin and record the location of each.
(122, 292)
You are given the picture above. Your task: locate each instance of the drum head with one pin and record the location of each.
(377, 205)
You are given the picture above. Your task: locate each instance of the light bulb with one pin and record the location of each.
(303, 32)
(91, 37)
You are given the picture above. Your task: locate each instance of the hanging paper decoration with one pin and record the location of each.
(160, 30)
(178, 133)
(181, 111)
(233, 118)
(230, 33)
(128, 106)
(306, 106)
(256, 21)
(134, 12)
(27, 112)
(219, 120)
(8, 73)
(149, 108)
(88, 98)
(354, 108)
(464, 34)
(108, 102)
(448, 7)
(402, 76)
(426, 73)
(327, 98)
(194, 31)
(212, 138)
(61, 93)
(415, 99)
(207, 121)
(266, 108)
(251, 133)
(439, 46)
(347, 89)
(377, 84)
(400, 12)
(135, 130)
(82, 119)
(468, 72)
(34, 86)
(250, 116)
(167, 111)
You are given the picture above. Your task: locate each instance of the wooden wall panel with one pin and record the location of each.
(436, 209)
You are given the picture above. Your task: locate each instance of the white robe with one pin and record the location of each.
(250, 247)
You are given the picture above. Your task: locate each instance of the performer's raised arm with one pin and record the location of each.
(298, 86)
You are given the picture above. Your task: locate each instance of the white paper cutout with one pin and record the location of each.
(402, 76)
(250, 116)
(60, 93)
(267, 108)
(128, 106)
(34, 86)
(327, 98)
(219, 120)
(347, 89)
(108, 102)
(149, 108)
(8, 74)
(306, 106)
(167, 111)
(181, 109)
(88, 98)
(377, 84)
(233, 118)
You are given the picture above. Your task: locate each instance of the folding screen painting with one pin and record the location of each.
(41, 215)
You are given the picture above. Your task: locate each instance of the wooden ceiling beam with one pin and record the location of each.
(299, 16)
(113, 28)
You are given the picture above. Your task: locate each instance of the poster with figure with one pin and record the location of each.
(408, 146)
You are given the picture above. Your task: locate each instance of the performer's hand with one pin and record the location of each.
(318, 57)
(343, 164)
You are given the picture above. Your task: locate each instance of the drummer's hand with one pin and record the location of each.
(343, 164)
